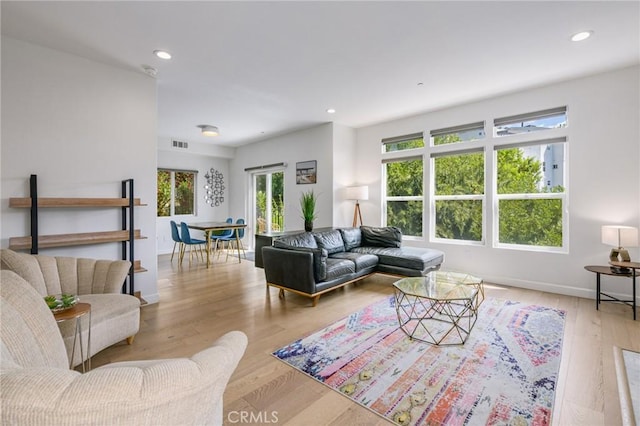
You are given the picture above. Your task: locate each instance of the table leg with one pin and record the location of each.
(238, 245)
(208, 245)
(73, 348)
(597, 291)
(79, 329)
(634, 293)
(89, 344)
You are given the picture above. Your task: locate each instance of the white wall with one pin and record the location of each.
(344, 173)
(603, 175)
(310, 144)
(82, 127)
(177, 159)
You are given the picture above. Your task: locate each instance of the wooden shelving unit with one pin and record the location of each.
(126, 235)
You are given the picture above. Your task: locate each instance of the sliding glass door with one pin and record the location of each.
(268, 194)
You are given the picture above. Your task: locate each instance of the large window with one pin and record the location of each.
(404, 195)
(459, 195)
(403, 172)
(506, 189)
(531, 193)
(176, 192)
(458, 182)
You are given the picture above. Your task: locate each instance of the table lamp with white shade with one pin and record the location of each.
(619, 237)
(357, 193)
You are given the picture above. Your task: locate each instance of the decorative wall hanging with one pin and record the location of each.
(214, 188)
(306, 172)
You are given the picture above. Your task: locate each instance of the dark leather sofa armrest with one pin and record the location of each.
(289, 268)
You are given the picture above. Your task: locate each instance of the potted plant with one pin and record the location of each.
(308, 208)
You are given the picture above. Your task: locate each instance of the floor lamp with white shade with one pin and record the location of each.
(357, 193)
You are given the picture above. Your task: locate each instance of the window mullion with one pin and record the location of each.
(173, 193)
(533, 196)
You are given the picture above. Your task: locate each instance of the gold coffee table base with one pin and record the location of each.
(440, 308)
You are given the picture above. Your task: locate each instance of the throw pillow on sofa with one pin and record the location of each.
(388, 236)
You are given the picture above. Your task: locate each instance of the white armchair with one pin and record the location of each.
(39, 388)
(114, 316)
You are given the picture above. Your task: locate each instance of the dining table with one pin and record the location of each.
(209, 227)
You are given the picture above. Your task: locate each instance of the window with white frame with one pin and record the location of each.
(515, 187)
(404, 184)
(176, 192)
(458, 182)
(403, 143)
(531, 194)
(458, 195)
(465, 133)
(404, 195)
(530, 122)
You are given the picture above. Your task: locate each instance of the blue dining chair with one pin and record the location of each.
(175, 235)
(218, 236)
(191, 242)
(233, 239)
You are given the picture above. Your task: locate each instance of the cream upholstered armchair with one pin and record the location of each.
(114, 316)
(38, 388)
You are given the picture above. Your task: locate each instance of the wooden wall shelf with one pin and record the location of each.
(125, 236)
(137, 268)
(78, 239)
(25, 202)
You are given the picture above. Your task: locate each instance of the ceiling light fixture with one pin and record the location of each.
(149, 70)
(582, 35)
(162, 54)
(331, 110)
(208, 130)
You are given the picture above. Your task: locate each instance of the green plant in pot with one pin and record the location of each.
(308, 208)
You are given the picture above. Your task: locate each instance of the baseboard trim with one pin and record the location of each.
(151, 298)
(585, 293)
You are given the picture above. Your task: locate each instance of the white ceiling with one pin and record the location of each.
(258, 69)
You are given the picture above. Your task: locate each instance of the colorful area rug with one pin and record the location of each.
(506, 372)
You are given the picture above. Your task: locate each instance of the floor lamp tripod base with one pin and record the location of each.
(357, 215)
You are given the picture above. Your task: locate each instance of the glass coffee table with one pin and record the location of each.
(440, 308)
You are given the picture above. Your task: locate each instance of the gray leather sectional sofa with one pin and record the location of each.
(312, 263)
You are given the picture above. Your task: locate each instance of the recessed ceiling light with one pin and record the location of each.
(208, 130)
(331, 110)
(149, 70)
(162, 54)
(420, 84)
(582, 35)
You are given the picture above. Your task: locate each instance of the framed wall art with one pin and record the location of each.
(306, 172)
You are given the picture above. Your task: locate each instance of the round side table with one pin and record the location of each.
(76, 312)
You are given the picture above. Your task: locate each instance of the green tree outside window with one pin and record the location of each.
(180, 197)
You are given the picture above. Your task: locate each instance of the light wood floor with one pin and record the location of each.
(198, 305)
